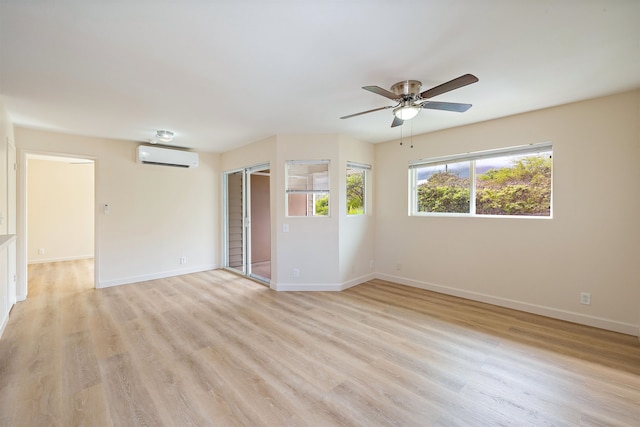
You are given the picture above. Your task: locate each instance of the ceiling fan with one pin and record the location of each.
(410, 101)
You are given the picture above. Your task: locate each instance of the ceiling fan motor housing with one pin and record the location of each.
(406, 87)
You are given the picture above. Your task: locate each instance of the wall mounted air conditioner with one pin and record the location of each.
(166, 156)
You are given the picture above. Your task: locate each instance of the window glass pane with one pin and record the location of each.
(308, 177)
(514, 185)
(444, 188)
(321, 204)
(308, 204)
(320, 181)
(297, 204)
(307, 188)
(355, 191)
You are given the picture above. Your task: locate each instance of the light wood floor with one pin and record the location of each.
(216, 349)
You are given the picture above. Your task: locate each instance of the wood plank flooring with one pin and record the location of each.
(215, 349)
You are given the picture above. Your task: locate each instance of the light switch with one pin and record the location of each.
(285, 228)
(106, 208)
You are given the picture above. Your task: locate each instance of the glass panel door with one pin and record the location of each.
(248, 222)
(259, 224)
(235, 214)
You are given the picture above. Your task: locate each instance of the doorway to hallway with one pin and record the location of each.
(59, 210)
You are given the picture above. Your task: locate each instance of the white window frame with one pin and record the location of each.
(365, 168)
(315, 193)
(472, 157)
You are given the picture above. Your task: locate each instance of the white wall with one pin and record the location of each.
(311, 245)
(157, 213)
(7, 251)
(332, 252)
(356, 232)
(591, 244)
(7, 135)
(61, 210)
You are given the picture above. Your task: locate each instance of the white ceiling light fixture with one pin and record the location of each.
(407, 112)
(164, 136)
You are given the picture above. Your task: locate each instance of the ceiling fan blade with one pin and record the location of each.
(383, 92)
(365, 112)
(456, 83)
(446, 106)
(397, 122)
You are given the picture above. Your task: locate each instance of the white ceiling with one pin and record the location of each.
(221, 74)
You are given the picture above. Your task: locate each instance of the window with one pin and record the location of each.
(356, 188)
(307, 188)
(507, 182)
(444, 188)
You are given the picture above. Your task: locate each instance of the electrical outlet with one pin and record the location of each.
(371, 264)
(585, 298)
(183, 260)
(41, 251)
(398, 267)
(296, 272)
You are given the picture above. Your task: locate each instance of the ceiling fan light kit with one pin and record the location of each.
(411, 101)
(406, 112)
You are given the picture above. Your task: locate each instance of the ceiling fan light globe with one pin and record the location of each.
(406, 112)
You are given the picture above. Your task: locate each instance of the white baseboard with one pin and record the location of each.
(358, 281)
(569, 316)
(68, 258)
(5, 320)
(322, 287)
(154, 276)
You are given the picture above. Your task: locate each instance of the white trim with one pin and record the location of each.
(316, 287)
(154, 276)
(258, 168)
(59, 259)
(569, 316)
(355, 165)
(308, 162)
(4, 323)
(476, 155)
(314, 192)
(322, 287)
(358, 280)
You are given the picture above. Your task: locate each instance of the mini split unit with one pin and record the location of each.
(166, 157)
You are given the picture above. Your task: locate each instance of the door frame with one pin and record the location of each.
(22, 247)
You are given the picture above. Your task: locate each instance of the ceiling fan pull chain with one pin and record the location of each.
(411, 130)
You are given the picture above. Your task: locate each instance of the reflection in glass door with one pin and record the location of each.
(259, 224)
(248, 222)
(235, 230)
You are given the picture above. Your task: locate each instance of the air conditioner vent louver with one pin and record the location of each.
(166, 157)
